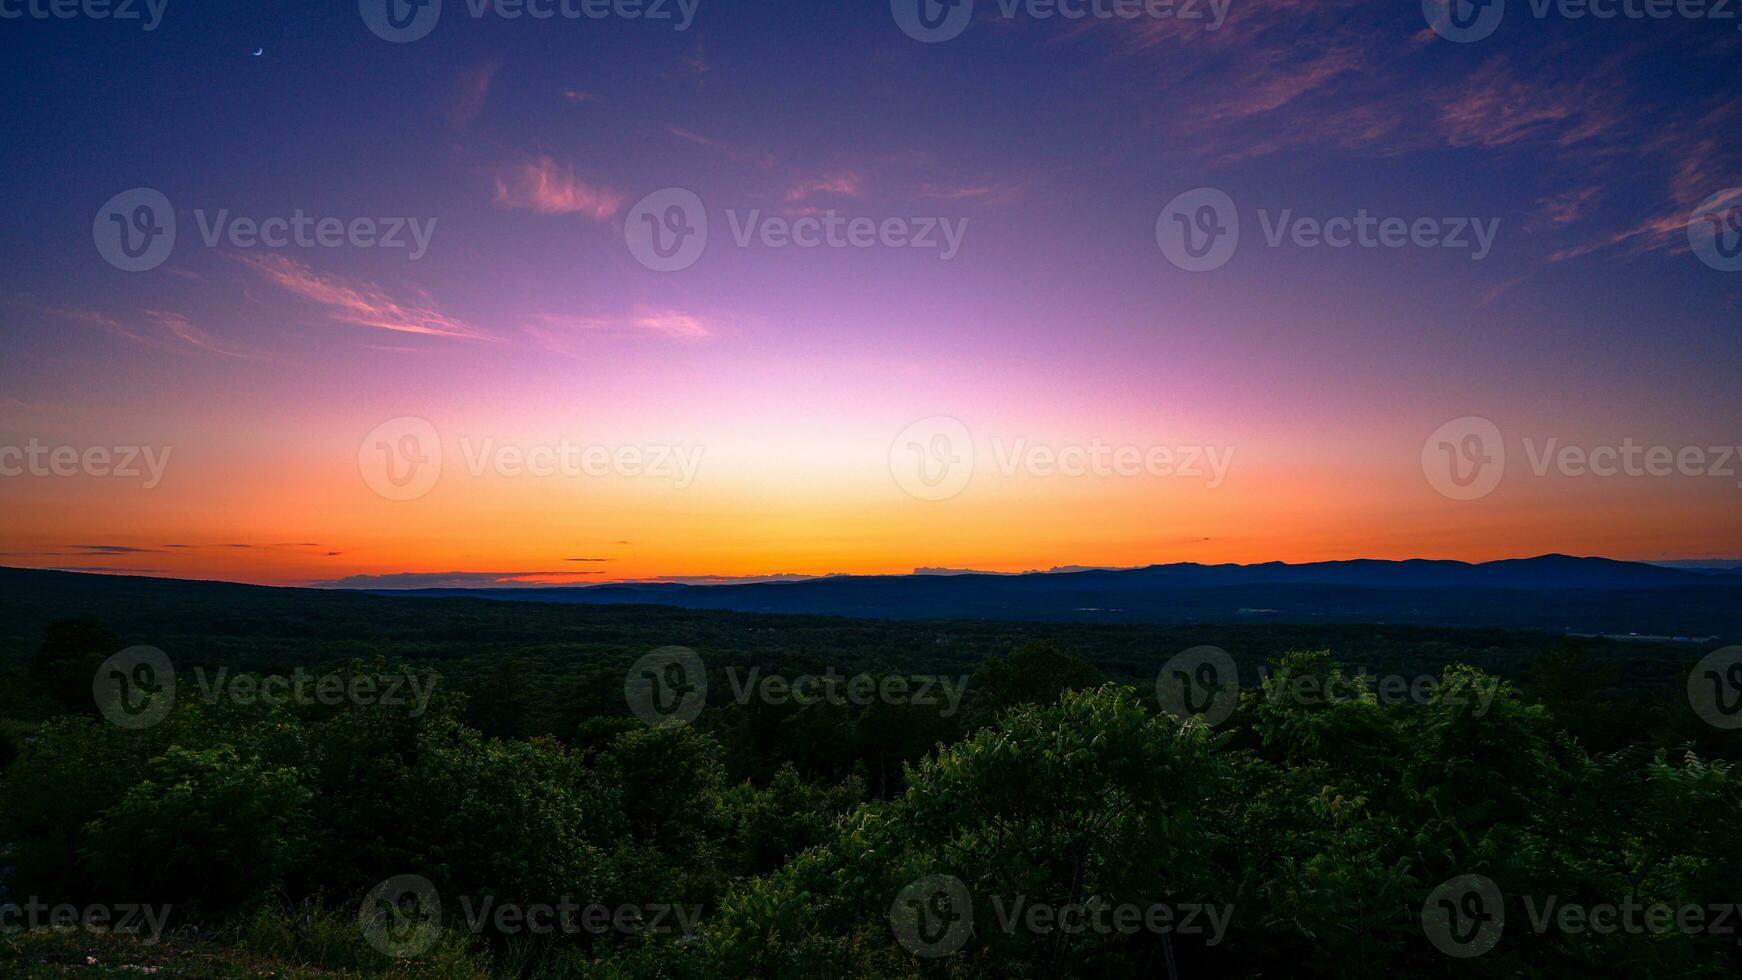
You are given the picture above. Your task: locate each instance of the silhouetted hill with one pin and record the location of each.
(1551, 592)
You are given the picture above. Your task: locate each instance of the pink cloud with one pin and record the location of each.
(546, 187)
(360, 303)
(842, 185)
(671, 323)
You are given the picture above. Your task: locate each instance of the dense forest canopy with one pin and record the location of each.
(322, 784)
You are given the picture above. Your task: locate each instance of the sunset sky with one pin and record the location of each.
(793, 377)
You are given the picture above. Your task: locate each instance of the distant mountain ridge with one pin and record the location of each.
(1554, 592)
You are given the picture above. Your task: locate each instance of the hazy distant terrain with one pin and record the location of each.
(1553, 592)
(580, 630)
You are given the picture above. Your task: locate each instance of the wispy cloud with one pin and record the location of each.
(1493, 106)
(562, 334)
(159, 329)
(473, 91)
(183, 329)
(696, 60)
(990, 192)
(85, 551)
(738, 153)
(1568, 207)
(360, 303)
(451, 580)
(112, 549)
(545, 187)
(840, 185)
